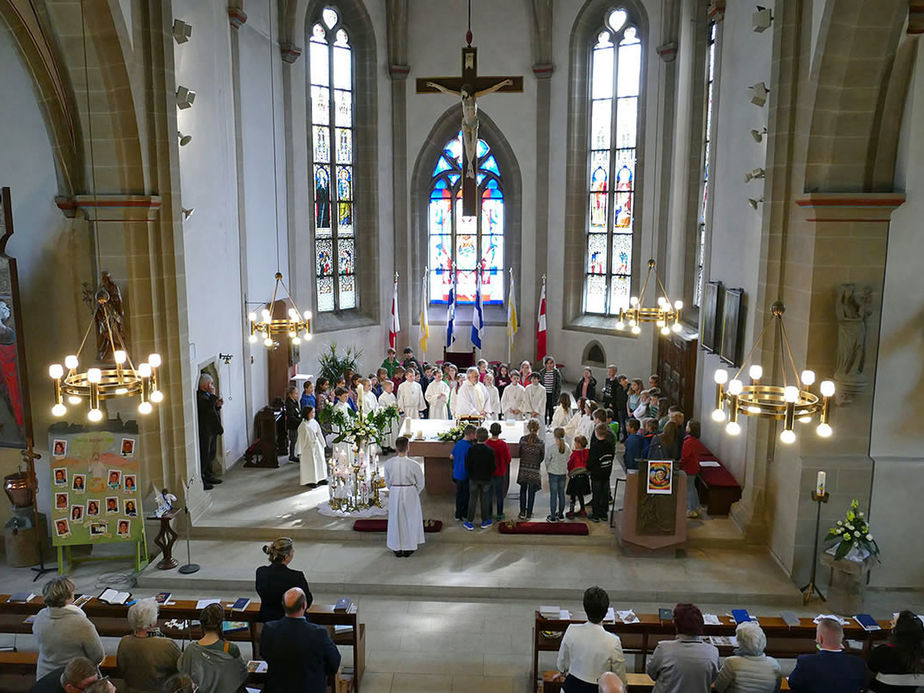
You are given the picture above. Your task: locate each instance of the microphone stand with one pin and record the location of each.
(190, 567)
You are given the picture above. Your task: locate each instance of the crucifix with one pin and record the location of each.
(469, 87)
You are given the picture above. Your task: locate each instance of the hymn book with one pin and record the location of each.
(21, 597)
(111, 596)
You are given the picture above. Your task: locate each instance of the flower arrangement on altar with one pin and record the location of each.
(355, 479)
(453, 435)
(853, 538)
(360, 427)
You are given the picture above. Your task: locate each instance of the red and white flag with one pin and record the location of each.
(394, 327)
(541, 326)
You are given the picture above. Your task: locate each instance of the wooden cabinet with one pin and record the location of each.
(677, 368)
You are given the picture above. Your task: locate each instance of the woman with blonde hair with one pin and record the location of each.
(275, 579)
(556, 464)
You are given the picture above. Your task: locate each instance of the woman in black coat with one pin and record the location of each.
(589, 382)
(275, 579)
(898, 665)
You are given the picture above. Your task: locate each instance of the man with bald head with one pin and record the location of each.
(829, 669)
(299, 654)
(611, 683)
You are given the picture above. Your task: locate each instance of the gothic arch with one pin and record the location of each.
(443, 129)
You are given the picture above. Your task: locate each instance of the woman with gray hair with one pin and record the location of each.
(145, 658)
(62, 631)
(749, 670)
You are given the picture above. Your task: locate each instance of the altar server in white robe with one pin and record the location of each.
(405, 480)
(513, 400)
(310, 449)
(472, 398)
(370, 403)
(410, 397)
(344, 447)
(387, 399)
(535, 398)
(438, 396)
(493, 407)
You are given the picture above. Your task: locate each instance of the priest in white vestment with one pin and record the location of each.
(513, 401)
(438, 396)
(310, 449)
(472, 398)
(405, 480)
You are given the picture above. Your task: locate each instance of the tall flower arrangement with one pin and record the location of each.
(853, 533)
(359, 428)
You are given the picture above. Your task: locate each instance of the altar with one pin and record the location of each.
(424, 438)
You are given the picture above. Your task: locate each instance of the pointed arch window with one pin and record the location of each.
(330, 75)
(614, 86)
(704, 198)
(459, 246)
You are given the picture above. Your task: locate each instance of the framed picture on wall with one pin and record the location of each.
(711, 321)
(732, 323)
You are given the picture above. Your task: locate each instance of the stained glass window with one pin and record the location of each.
(615, 77)
(707, 152)
(460, 246)
(330, 73)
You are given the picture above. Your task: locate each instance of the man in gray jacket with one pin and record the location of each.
(62, 631)
(686, 664)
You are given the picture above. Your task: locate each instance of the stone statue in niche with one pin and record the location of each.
(116, 312)
(853, 309)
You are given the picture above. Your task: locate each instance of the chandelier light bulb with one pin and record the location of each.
(266, 315)
(252, 339)
(756, 372)
(94, 375)
(827, 388)
(58, 410)
(808, 378)
(824, 430)
(678, 305)
(636, 329)
(665, 331)
(268, 342)
(633, 301)
(632, 322)
(71, 362)
(662, 301)
(252, 317)
(307, 315)
(788, 437)
(296, 339)
(293, 334)
(119, 356)
(121, 391)
(805, 419)
(144, 370)
(659, 323)
(157, 396)
(735, 387)
(145, 408)
(620, 325)
(307, 336)
(720, 376)
(676, 327)
(790, 393)
(154, 360)
(733, 428)
(55, 370)
(74, 399)
(95, 415)
(293, 313)
(718, 415)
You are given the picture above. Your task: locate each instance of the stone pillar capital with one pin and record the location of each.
(236, 16)
(111, 207)
(716, 10)
(667, 51)
(399, 72)
(543, 70)
(290, 52)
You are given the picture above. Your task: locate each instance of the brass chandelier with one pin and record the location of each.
(120, 379)
(790, 402)
(289, 326)
(665, 316)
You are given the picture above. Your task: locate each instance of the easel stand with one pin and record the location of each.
(811, 586)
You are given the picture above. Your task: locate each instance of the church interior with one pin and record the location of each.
(716, 193)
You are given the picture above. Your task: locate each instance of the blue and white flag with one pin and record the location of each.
(451, 319)
(477, 313)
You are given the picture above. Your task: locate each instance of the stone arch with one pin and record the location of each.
(852, 73)
(443, 129)
(594, 355)
(587, 22)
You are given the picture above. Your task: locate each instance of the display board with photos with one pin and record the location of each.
(95, 487)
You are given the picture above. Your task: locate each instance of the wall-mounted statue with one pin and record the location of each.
(116, 313)
(853, 309)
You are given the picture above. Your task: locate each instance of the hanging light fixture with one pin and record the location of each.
(295, 322)
(666, 316)
(102, 381)
(291, 325)
(790, 402)
(120, 379)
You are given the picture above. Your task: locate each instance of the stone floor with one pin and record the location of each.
(456, 616)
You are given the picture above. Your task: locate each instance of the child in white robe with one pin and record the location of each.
(438, 396)
(562, 414)
(493, 408)
(575, 425)
(387, 399)
(535, 398)
(309, 447)
(370, 403)
(345, 446)
(405, 480)
(410, 397)
(513, 400)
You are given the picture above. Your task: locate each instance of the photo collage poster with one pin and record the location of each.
(95, 489)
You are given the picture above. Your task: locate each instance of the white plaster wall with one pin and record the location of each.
(209, 184)
(52, 253)
(735, 248)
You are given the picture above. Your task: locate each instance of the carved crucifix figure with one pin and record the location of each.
(469, 87)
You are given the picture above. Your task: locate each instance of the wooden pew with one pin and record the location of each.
(111, 621)
(637, 683)
(641, 638)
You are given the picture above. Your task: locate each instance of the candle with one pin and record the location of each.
(820, 484)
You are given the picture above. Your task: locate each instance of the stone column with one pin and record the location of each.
(543, 69)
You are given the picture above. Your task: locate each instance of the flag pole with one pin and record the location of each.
(509, 326)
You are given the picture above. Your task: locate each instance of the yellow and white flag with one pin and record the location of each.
(512, 324)
(423, 328)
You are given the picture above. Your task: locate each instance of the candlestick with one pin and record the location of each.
(820, 484)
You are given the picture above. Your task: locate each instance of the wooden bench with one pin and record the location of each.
(637, 683)
(717, 489)
(111, 621)
(783, 641)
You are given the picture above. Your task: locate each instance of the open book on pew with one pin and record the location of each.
(111, 596)
(21, 597)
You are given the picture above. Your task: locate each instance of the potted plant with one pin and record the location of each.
(849, 553)
(333, 365)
